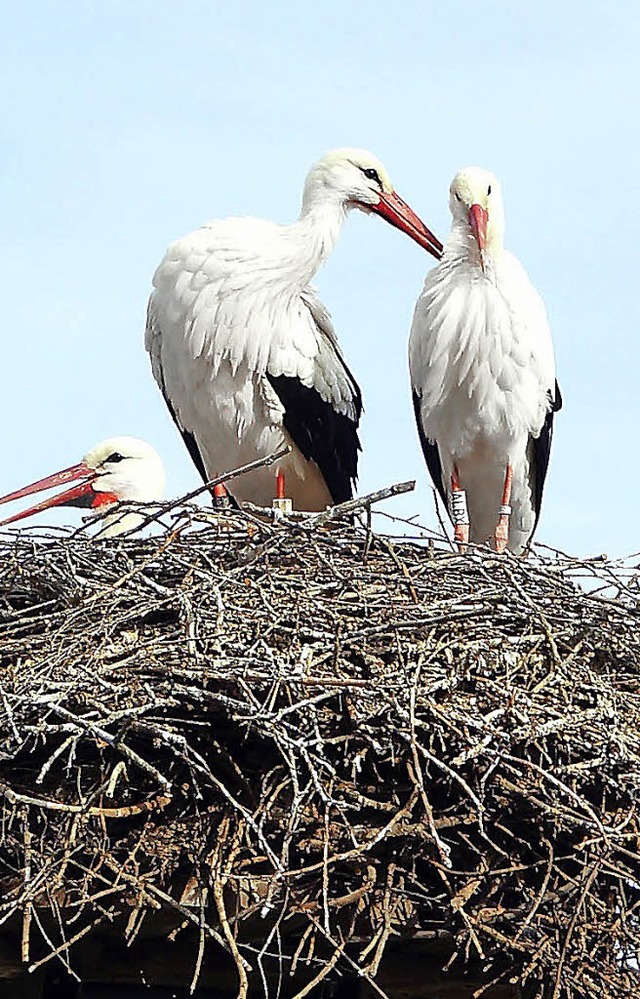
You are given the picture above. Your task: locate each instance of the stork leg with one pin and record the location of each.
(459, 511)
(502, 528)
(221, 497)
(281, 503)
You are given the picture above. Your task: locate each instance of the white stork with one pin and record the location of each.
(120, 468)
(244, 352)
(483, 375)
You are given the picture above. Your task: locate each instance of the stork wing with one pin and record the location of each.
(322, 418)
(220, 327)
(430, 452)
(539, 451)
(152, 344)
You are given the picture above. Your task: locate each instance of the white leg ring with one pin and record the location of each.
(459, 511)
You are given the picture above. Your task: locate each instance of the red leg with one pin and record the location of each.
(220, 497)
(281, 502)
(502, 528)
(459, 510)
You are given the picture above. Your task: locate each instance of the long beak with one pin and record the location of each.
(396, 211)
(82, 494)
(478, 218)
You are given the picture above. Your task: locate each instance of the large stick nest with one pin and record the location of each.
(311, 740)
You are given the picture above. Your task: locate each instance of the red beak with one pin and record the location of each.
(81, 495)
(478, 218)
(396, 211)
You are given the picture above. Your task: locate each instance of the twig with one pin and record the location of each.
(360, 503)
(251, 466)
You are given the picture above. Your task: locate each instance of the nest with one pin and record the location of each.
(304, 743)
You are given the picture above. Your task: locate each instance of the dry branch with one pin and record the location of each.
(315, 739)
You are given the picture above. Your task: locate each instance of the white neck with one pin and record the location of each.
(462, 244)
(314, 235)
(120, 522)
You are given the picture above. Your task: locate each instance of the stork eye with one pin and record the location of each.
(115, 457)
(458, 198)
(372, 174)
(489, 189)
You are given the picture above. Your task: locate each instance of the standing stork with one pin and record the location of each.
(483, 375)
(244, 352)
(120, 468)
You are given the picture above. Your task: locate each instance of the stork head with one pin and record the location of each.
(355, 178)
(475, 200)
(120, 468)
(126, 468)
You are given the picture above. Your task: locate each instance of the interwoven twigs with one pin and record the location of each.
(304, 741)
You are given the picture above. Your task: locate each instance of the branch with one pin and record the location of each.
(361, 503)
(207, 486)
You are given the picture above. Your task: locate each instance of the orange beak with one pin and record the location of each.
(478, 219)
(83, 494)
(394, 210)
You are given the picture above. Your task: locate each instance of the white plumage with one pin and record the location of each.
(482, 370)
(119, 468)
(245, 353)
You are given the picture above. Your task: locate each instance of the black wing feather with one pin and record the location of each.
(187, 436)
(323, 435)
(194, 450)
(430, 452)
(540, 451)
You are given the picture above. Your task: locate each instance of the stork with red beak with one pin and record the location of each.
(120, 468)
(246, 355)
(483, 375)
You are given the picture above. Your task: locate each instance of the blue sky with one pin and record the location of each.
(127, 124)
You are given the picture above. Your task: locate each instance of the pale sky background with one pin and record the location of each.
(127, 123)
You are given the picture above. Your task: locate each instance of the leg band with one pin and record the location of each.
(459, 511)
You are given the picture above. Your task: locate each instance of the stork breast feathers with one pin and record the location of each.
(472, 333)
